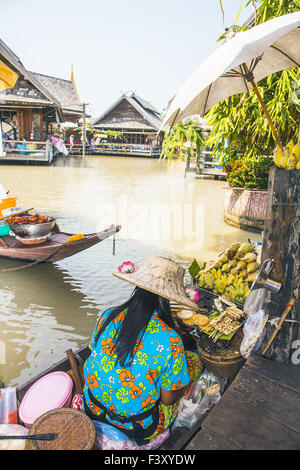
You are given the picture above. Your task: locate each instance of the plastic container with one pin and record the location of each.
(4, 230)
(8, 406)
(52, 391)
(7, 203)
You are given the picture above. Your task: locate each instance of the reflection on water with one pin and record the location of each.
(50, 308)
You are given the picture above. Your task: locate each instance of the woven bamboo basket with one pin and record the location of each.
(74, 429)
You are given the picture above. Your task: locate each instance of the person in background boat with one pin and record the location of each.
(138, 369)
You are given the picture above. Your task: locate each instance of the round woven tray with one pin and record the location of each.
(74, 429)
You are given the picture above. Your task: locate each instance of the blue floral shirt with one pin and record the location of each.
(159, 363)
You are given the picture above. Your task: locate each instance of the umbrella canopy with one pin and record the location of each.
(237, 65)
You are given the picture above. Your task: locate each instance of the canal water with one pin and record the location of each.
(49, 308)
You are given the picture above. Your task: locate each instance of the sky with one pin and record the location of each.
(116, 46)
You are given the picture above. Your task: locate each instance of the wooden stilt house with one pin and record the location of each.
(30, 104)
(130, 125)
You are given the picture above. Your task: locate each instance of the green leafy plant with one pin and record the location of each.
(247, 172)
(184, 141)
(239, 125)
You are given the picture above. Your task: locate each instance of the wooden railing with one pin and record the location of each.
(21, 150)
(116, 149)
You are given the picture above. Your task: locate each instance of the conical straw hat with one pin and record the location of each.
(162, 277)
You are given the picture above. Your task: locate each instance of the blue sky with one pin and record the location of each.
(149, 47)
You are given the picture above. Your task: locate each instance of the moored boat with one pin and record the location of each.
(59, 245)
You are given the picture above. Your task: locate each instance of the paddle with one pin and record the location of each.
(16, 213)
(35, 437)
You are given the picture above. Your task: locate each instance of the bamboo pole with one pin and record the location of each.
(263, 105)
(280, 323)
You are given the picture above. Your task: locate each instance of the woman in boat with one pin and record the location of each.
(138, 369)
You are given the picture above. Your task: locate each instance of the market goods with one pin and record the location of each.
(200, 320)
(278, 156)
(185, 314)
(289, 158)
(296, 152)
(28, 220)
(232, 274)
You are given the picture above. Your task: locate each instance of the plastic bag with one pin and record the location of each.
(203, 394)
(8, 406)
(254, 333)
(12, 430)
(255, 301)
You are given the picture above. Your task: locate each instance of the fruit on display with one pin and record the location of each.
(289, 158)
(232, 274)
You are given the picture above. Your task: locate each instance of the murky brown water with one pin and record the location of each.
(49, 308)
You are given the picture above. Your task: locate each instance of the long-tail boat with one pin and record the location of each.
(60, 245)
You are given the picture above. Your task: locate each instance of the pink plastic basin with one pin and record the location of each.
(52, 391)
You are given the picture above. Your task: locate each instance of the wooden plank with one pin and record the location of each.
(281, 242)
(286, 375)
(246, 428)
(267, 397)
(209, 440)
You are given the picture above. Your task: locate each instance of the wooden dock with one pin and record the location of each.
(259, 411)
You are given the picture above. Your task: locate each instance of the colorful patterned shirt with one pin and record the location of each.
(159, 363)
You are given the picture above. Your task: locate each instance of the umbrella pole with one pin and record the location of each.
(249, 77)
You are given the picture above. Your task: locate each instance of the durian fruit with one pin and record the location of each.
(278, 156)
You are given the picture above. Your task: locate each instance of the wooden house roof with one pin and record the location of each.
(63, 90)
(145, 117)
(28, 89)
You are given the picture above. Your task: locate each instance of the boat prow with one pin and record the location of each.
(56, 248)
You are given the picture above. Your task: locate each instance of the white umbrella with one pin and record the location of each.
(237, 65)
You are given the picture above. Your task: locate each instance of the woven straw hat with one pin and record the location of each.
(162, 277)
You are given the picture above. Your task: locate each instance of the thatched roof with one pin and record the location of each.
(146, 118)
(63, 90)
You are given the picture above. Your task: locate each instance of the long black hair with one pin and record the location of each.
(139, 310)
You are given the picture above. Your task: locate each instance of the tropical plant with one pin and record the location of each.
(184, 141)
(239, 125)
(247, 171)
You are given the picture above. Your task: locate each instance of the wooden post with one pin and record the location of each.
(281, 241)
(83, 130)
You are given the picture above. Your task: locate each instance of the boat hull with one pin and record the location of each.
(54, 249)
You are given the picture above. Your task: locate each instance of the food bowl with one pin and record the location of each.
(33, 241)
(33, 230)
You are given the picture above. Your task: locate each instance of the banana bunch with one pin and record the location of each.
(232, 274)
(289, 158)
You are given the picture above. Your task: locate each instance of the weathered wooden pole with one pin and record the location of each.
(281, 241)
(83, 128)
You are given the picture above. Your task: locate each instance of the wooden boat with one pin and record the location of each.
(178, 438)
(55, 248)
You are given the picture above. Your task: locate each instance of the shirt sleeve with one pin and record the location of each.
(175, 375)
(99, 323)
